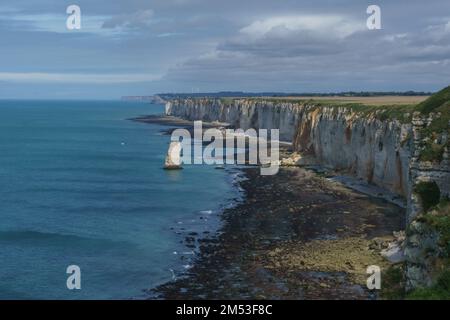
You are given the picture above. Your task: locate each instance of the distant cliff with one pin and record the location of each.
(156, 99)
(339, 137)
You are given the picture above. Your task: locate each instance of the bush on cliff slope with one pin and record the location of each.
(438, 217)
(440, 291)
(429, 193)
(433, 148)
(436, 102)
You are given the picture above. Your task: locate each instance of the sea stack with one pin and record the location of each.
(173, 158)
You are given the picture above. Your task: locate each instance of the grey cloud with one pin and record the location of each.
(234, 44)
(305, 59)
(280, 42)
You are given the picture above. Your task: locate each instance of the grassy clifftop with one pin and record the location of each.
(387, 108)
(433, 146)
(384, 108)
(438, 102)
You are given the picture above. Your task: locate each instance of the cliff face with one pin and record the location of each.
(383, 152)
(427, 242)
(339, 138)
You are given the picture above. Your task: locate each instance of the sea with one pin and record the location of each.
(81, 185)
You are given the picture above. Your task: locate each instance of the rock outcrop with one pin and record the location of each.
(173, 158)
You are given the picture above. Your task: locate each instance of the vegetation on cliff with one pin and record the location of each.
(433, 145)
(393, 279)
(438, 102)
(429, 193)
(433, 113)
(439, 291)
(438, 218)
(382, 109)
(434, 136)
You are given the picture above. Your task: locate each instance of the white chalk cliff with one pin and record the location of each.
(382, 151)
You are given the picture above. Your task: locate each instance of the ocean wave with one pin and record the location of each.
(32, 237)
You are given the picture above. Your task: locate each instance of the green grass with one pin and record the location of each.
(400, 112)
(439, 102)
(439, 291)
(432, 152)
(393, 283)
(435, 102)
(439, 219)
(227, 100)
(431, 149)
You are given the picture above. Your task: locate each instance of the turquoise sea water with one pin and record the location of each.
(80, 184)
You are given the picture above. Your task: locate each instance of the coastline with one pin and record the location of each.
(203, 225)
(254, 254)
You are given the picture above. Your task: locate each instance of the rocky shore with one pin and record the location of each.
(400, 148)
(297, 235)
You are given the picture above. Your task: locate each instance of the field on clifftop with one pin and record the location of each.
(381, 100)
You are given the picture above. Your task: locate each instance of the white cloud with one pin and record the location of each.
(169, 34)
(56, 23)
(37, 77)
(395, 37)
(294, 36)
(138, 19)
(338, 26)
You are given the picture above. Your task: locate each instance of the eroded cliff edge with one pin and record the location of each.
(400, 148)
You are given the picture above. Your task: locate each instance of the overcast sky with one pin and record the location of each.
(141, 47)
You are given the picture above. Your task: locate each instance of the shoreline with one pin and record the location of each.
(204, 225)
(242, 261)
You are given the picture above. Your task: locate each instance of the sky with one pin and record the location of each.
(143, 47)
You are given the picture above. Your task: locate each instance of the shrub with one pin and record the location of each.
(429, 193)
(439, 291)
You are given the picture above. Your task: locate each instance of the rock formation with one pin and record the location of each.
(173, 158)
